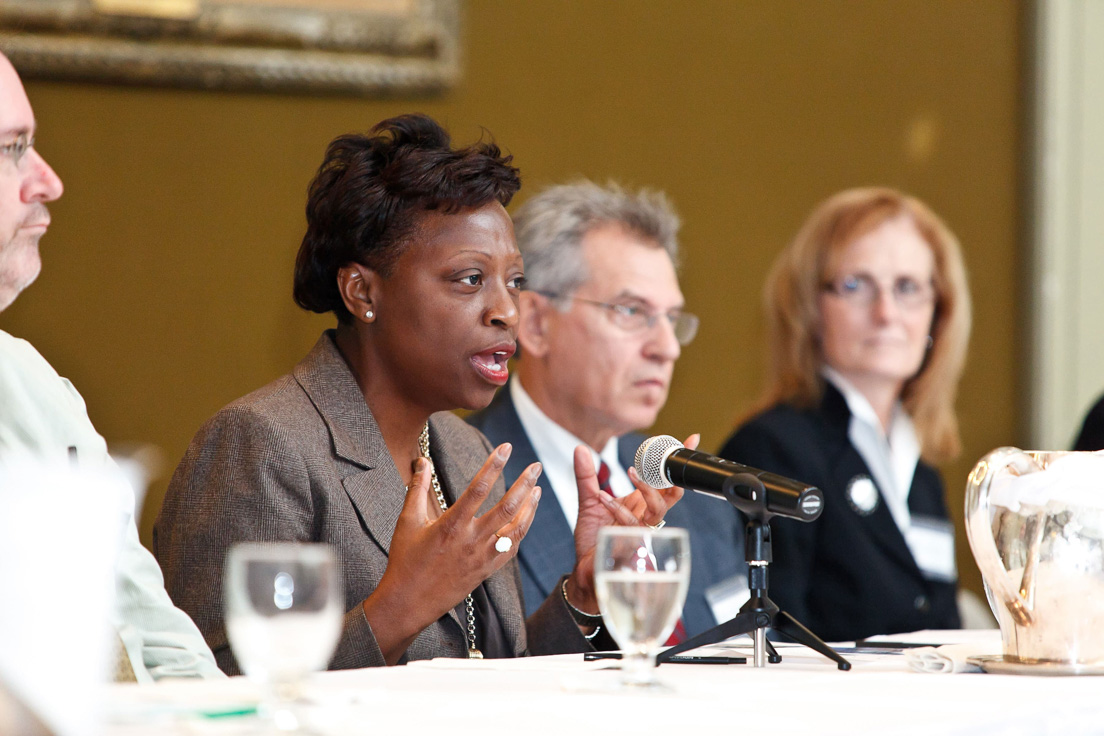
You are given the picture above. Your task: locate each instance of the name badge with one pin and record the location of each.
(931, 542)
(726, 597)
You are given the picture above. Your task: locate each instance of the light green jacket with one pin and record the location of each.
(41, 413)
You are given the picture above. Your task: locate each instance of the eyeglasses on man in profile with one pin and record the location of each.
(16, 148)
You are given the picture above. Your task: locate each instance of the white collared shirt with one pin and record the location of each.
(892, 459)
(555, 448)
(892, 456)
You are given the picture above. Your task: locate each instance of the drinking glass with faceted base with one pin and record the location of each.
(641, 576)
(284, 610)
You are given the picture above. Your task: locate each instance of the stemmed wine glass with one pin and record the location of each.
(641, 576)
(283, 616)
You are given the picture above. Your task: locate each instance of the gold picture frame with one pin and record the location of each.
(362, 47)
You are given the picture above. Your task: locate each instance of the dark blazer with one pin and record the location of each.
(548, 550)
(846, 575)
(302, 459)
(1091, 437)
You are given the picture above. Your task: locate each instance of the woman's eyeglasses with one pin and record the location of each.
(637, 318)
(862, 290)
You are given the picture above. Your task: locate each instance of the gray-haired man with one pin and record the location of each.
(602, 323)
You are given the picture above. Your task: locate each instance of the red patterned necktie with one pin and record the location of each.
(604, 478)
(677, 636)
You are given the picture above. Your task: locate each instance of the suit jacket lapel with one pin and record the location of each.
(880, 523)
(626, 449)
(369, 477)
(548, 550)
(455, 472)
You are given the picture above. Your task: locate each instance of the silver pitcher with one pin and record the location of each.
(1035, 521)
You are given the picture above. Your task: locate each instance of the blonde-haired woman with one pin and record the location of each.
(869, 318)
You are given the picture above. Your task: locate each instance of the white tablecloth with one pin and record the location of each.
(564, 696)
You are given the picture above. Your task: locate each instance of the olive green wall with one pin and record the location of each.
(165, 292)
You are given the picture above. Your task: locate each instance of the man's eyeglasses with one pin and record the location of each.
(636, 318)
(863, 290)
(17, 148)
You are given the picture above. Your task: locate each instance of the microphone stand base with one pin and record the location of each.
(759, 613)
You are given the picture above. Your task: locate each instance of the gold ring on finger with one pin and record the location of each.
(656, 527)
(503, 543)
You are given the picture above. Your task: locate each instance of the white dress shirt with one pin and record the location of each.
(892, 458)
(555, 448)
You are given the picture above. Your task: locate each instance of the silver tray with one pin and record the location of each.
(998, 665)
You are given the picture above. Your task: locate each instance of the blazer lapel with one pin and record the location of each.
(455, 471)
(370, 477)
(880, 523)
(548, 550)
(627, 446)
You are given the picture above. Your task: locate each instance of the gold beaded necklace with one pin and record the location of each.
(469, 604)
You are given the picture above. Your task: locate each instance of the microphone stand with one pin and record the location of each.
(759, 613)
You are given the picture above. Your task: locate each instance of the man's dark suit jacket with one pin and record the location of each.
(846, 575)
(548, 550)
(303, 460)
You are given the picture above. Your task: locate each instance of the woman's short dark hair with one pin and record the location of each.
(366, 199)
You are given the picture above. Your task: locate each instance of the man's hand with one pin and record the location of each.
(646, 506)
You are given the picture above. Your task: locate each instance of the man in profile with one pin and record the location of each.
(43, 416)
(602, 323)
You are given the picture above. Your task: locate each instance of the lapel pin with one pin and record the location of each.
(862, 495)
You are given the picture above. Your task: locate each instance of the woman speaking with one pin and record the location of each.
(409, 245)
(869, 318)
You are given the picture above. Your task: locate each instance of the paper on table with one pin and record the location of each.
(938, 637)
(541, 664)
(794, 653)
(949, 658)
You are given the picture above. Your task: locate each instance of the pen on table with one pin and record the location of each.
(878, 644)
(248, 710)
(678, 659)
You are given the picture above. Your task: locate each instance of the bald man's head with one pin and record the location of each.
(26, 183)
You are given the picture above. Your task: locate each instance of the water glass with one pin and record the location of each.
(641, 577)
(284, 611)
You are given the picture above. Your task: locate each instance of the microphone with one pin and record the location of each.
(662, 462)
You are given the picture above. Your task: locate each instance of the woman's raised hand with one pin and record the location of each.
(434, 564)
(644, 506)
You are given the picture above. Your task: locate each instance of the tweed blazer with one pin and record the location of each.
(548, 550)
(302, 459)
(850, 573)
